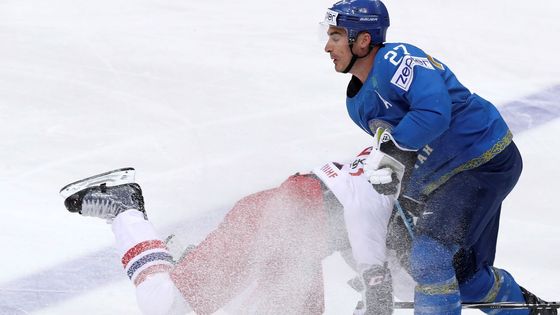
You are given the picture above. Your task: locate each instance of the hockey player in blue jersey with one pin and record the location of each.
(466, 164)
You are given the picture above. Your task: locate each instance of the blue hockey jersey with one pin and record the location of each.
(429, 111)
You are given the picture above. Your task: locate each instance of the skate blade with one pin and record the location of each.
(112, 178)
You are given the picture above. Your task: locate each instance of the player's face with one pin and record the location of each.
(337, 47)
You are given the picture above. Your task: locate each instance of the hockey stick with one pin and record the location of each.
(407, 221)
(495, 305)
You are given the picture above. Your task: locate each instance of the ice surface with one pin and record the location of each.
(212, 100)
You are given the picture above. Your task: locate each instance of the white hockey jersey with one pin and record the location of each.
(366, 212)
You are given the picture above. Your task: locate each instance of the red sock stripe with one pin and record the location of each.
(139, 248)
(150, 271)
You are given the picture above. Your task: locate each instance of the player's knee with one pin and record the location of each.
(431, 261)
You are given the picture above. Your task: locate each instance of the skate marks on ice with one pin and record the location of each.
(533, 110)
(54, 285)
(85, 273)
(97, 269)
(6, 310)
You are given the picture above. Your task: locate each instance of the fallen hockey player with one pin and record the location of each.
(266, 254)
(269, 246)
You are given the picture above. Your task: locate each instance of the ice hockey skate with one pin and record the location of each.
(112, 178)
(105, 195)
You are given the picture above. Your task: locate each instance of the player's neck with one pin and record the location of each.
(363, 66)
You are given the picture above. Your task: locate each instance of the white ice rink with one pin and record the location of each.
(212, 100)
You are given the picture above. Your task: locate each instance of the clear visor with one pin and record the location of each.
(327, 28)
(327, 31)
(323, 33)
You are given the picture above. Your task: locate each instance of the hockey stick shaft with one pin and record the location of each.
(405, 219)
(496, 305)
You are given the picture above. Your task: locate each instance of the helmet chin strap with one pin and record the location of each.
(355, 57)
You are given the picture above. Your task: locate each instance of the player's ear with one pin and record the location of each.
(364, 40)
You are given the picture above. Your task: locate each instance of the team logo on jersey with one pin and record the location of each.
(405, 73)
(357, 166)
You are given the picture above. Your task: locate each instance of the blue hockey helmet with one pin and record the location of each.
(358, 16)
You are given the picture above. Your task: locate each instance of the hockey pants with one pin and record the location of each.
(270, 243)
(453, 253)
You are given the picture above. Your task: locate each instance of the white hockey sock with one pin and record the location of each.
(143, 253)
(147, 263)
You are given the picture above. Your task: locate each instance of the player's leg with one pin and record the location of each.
(295, 226)
(479, 281)
(439, 231)
(455, 216)
(491, 284)
(145, 257)
(272, 243)
(223, 264)
(252, 235)
(147, 263)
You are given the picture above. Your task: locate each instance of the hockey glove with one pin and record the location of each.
(378, 293)
(383, 171)
(385, 181)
